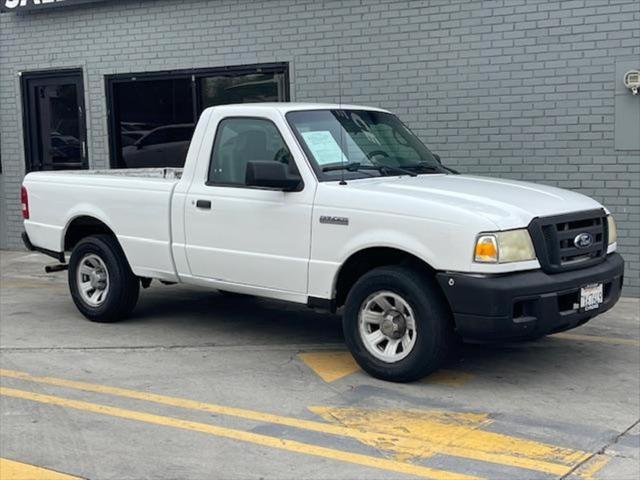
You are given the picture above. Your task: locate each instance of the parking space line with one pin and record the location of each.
(412, 433)
(330, 366)
(334, 365)
(447, 433)
(592, 466)
(240, 435)
(12, 470)
(181, 403)
(598, 339)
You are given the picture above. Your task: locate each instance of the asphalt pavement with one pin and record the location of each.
(198, 385)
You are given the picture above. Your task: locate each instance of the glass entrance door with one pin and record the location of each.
(54, 109)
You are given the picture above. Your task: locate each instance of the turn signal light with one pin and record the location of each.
(24, 199)
(504, 247)
(486, 249)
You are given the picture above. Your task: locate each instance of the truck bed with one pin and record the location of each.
(135, 204)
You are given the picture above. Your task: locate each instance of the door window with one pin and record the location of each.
(242, 140)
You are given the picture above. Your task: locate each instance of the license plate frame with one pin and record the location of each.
(591, 296)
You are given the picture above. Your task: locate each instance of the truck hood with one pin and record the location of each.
(506, 203)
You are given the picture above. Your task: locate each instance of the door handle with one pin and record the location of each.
(204, 204)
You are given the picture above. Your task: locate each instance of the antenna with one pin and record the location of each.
(338, 54)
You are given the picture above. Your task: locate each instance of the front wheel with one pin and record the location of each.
(102, 285)
(397, 324)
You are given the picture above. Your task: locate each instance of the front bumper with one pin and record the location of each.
(527, 304)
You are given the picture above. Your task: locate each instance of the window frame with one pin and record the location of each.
(30, 115)
(194, 75)
(209, 183)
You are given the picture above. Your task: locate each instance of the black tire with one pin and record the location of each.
(433, 322)
(124, 286)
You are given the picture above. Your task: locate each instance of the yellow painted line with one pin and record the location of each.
(416, 434)
(598, 339)
(10, 470)
(181, 403)
(436, 432)
(592, 467)
(240, 435)
(330, 366)
(334, 365)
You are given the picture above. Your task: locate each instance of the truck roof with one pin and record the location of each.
(286, 107)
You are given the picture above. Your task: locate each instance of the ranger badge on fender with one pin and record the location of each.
(334, 220)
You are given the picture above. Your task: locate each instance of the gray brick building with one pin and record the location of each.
(525, 89)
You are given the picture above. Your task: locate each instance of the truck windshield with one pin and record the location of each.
(360, 144)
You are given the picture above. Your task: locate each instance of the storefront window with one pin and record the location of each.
(221, 90)
(153, 115)
(155, 122)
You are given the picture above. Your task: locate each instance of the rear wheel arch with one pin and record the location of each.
(85, 226)
(81, 227)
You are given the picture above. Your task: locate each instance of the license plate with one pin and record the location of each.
(591, 297)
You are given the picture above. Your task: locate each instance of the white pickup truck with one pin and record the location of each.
(336, 207)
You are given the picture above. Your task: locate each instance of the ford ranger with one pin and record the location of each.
(340, 208)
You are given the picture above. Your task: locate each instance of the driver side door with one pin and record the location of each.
(246, 235)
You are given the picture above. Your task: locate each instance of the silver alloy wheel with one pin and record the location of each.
(387, 326)
(92, 280)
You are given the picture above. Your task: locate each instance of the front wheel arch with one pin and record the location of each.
(365, 260)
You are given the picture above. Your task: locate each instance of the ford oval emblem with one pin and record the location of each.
(583, 240)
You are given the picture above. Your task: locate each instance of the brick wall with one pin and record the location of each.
(513, 88)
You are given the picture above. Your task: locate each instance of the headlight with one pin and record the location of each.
(613, 231)
(504, 247)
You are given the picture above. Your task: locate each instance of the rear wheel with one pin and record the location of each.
(102, 285)
(397, 325)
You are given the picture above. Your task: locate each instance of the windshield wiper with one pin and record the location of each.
(429, 167)
(356, 166)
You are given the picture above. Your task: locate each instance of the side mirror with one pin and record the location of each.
(270, 174)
